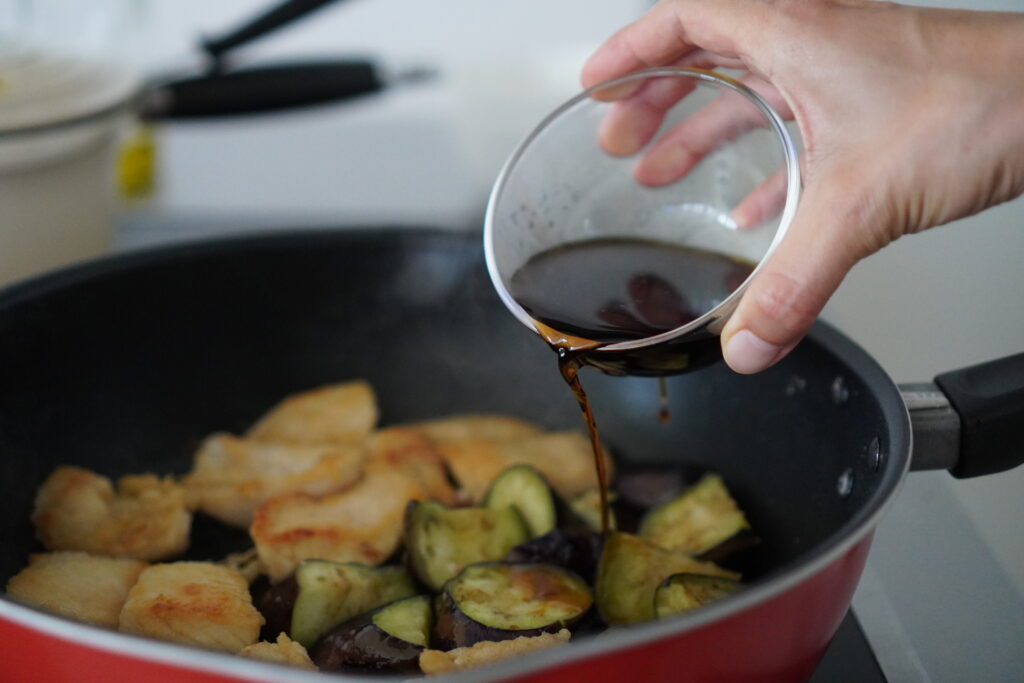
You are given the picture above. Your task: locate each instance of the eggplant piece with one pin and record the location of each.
(704, 517)
(630, 571)
(585, 510)
(276, 605)
(330, 593)
(525, 489)
(682, 593)
(494, 601)
(389, 638)
(648, 487)
(575, 548)
(730, 550)
(442, 540)
(641, 488)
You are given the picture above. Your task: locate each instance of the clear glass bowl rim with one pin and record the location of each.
(789, 150)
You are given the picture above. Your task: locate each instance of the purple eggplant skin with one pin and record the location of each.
(648, 487)
(732, 551)
(276, 606)
(640, 488)
(454, 629)
(576, 549)
(359, 645)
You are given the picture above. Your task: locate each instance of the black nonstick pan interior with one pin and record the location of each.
(124, 365)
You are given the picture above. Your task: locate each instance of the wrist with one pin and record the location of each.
(979, 55)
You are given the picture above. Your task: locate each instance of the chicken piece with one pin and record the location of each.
(77, 585)
(231, 476)
(484, 653)
(337, 413)
(564, 458)
(195, 603)
(492, 427)
(284, 651)
(145, 518)
(360, 524)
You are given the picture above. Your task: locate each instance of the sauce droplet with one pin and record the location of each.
(663, 414)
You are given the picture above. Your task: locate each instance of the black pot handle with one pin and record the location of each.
(269, 21)
(260, 89)
(970, 421)
(990, 401)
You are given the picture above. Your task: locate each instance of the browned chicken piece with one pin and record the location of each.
(195, 603)
(77, 585)
(565, 458)
(232, 476)
(360, 524)
(145, 518)
(337, 413)
(492, 427)
(434, 662)
(284, 651)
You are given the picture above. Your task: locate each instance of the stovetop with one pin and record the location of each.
(849, 658)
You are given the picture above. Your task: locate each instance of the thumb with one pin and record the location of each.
(785, 298)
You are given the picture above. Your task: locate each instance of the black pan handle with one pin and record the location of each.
(989, 398)
(970, 421)
(274, 18)
(262, 89)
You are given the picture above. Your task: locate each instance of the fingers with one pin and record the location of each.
(617, 315)
(631, 123)
(699, 59)
(671, 30)
(655, 39)
(764, 202)
(661, 305)
(787, 295)
(727, 117)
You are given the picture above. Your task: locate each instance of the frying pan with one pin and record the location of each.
(123, 365)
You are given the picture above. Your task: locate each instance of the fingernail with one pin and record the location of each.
(746, 353)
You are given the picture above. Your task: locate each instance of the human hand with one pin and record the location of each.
(910, 118)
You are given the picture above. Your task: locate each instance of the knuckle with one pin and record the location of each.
(781, 299)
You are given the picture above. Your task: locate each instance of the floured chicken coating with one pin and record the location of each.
(564, 458)
(77, 585)
(360, 524)
(484, 653)
(337, 413)
(145, 518)
(195, 603)
(284, 651)
(232, 476)
(492, 427)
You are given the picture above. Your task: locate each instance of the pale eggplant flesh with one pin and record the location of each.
(441, 540)
(697, 521)
(496, 601)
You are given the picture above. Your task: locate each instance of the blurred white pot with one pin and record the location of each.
(59, 121)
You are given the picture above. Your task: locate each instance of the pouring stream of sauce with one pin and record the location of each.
(570, 350)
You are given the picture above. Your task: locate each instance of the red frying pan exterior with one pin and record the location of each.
(779, 640)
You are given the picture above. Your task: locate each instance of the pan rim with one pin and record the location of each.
(856, 529)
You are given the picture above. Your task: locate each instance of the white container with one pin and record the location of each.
(59, 123)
